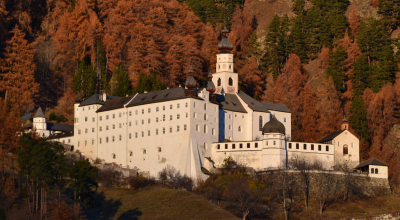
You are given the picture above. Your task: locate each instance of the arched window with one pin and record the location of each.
(372, 170)
(113, 156)
(260, 122)
(345, 149)
(205, 106)
(376, 170)
(230, 66)
(205, 128)
(205, 117)
(219, 82)
(144, 151)
(230, 81)
(159, 149)
(240, 128)
(130, 153)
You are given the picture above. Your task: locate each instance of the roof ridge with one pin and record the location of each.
(39, 113)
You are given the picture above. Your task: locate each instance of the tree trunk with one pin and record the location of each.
(245, 213)
(37, 196)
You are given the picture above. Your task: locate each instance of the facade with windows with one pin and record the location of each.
(176, 126)
(275, 149)
(193, 129)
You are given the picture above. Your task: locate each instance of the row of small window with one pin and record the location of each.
(148, 133)
(227, 115)
(205, 129)
(86, 130)
(376, 170)
(83, 109)
(131, 153)
(230, 127)
(69, 141)
(86, 142)
(305, 147)
(234, 146)
(158, 108)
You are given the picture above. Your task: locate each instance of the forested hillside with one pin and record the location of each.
(323, 59)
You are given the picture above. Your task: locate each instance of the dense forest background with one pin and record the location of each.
(323, 59)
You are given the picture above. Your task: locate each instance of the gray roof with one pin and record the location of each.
(210, 85)
(330, 137)
(54, 127)
(61, 135)
(39, 113)
(94, 99)
(230, 102)
(225, 44)
(114, 104)
(59, 127)
(262, 106)
(274, 126)
(372, 161)
(190, 81)
(160, 96)
(252, 103)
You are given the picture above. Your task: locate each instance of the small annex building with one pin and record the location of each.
(374, 168)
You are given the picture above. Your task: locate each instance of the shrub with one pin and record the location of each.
(175, 179)
(109, 177)
(140, 182)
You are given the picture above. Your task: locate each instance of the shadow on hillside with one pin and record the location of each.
(104, 208)
(131, 214)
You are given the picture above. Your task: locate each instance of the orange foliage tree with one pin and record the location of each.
(17, 76)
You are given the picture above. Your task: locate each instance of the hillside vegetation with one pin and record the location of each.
(323, 59)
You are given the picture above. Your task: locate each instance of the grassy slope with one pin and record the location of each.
(154, 203)
(360, 208)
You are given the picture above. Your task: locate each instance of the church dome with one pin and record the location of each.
(190, 81)
(274, 126)
(225, 45)
(210, 87)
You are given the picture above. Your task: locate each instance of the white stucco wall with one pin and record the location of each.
(382, 171)
(311, 155)
(248, 155)
(353, 156)
(85, 131)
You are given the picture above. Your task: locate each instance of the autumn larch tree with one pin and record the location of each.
(17, 73)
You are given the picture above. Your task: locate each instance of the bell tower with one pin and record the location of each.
(345, 124)
(225, 79)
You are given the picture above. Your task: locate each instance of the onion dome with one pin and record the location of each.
(274, 126)
(225, 45)
(210, 87)
(190, 81)
(344, 119)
